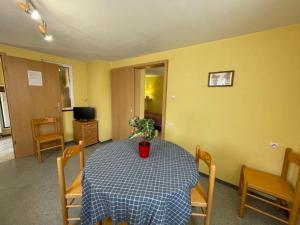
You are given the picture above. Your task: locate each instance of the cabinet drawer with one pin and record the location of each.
(91, 126)
(90, 141)
(90, 132)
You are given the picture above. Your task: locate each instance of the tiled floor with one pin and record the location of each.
(6, 149)
(29, 195)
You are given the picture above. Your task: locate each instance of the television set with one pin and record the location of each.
(84, 113)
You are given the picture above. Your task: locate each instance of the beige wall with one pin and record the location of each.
(235, 124)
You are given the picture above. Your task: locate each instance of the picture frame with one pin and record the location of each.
(221, 78)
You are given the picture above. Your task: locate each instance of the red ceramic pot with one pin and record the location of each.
(144, 149)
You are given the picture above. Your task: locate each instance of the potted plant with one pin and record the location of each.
(142, 128)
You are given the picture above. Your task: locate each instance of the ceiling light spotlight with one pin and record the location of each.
(48, 37)
(43, 27)
(35, 15)
(30, 9)
(23, 6)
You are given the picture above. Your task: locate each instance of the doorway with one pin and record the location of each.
(6, 144)
(150, 94)
(129, 96)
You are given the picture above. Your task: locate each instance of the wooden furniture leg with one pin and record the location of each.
(62, 144)
(241, 179)
(38, 147)
(243, 198)
(295, 210)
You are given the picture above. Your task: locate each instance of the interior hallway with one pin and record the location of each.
(6, 149)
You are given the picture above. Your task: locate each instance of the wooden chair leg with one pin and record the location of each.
(294, 212)
(62, 144)
(243, 198)
(207, 220)
(39, 154)
(64, 212)
(241, 179)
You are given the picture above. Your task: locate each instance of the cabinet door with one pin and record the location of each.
(122, 87)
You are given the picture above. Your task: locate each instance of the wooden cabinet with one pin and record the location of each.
(87, 131)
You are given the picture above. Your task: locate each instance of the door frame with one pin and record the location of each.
(3, 64)
(165, 64)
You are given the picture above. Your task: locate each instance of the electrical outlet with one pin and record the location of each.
(274, 146)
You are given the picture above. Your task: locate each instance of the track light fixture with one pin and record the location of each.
(29, 8)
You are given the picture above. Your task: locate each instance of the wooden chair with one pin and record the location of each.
(254, 182)
(199, 198)
(43, 138)
(74, 191)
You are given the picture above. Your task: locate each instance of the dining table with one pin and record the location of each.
(117, 183)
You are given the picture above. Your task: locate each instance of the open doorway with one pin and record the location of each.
(153, 95)
(6, 144)
(150, 94)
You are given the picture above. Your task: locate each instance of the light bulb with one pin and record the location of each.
(35, 15)
(48, 37)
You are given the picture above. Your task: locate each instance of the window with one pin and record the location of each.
(66, 86)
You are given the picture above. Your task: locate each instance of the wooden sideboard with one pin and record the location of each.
(87, 131)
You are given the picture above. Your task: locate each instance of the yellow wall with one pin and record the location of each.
(1, 74)
(142, 93)
(235, 124)
(154, 86)
(99, 92)
(79, 79)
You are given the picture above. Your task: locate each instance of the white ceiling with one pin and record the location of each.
(117, 29)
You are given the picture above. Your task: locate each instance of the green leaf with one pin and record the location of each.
(134, 134)
(143, 127)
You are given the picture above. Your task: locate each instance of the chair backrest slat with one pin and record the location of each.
(47, 121)
(289, 157)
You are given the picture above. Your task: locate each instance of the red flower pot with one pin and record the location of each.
(144, 149)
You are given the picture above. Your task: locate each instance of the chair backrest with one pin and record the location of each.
(207, 159)
(291, 157)
(38, 122)
(62, 161)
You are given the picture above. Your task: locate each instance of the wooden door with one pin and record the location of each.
(122, 87)
(27, 102)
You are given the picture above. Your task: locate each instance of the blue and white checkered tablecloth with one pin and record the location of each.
(118, 183)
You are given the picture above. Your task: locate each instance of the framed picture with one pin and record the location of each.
(220, 79)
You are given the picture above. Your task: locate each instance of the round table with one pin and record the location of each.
(156, 190)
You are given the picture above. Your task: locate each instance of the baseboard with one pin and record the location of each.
(104, 142)
(222, 181)
(69, 142)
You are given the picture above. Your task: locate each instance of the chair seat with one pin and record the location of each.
(269, 184)
(48, 137)
(75, 189)
(198, 196)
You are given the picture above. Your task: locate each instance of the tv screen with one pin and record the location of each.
(84, 113)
